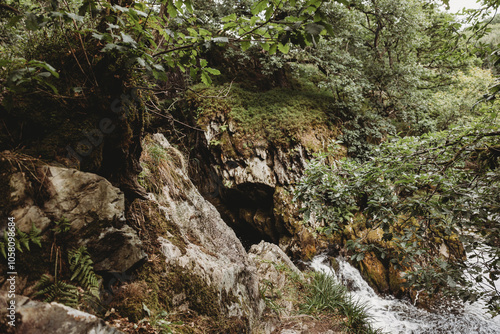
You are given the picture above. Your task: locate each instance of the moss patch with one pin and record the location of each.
(282, 116)
(172, 287)
(151, 223)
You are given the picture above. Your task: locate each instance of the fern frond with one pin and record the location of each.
(22, 240)
(35, 235)
(82, 265)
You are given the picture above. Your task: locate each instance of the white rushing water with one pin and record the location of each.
(398, 316)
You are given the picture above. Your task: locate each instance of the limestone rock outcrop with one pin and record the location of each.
(196, 243)
(251, 182)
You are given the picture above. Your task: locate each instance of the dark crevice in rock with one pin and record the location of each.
(248, 210)
(232, 204)
(242, 207)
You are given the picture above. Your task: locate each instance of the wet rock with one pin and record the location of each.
(38, 317)
(375, 272)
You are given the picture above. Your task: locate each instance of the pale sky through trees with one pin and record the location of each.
(457, 5)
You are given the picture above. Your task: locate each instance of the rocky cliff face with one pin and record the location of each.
(251, 181)
(169, 257)
(170, 252)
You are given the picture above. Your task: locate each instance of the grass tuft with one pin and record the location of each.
(327, 295)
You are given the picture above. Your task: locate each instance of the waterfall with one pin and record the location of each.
(396, 316)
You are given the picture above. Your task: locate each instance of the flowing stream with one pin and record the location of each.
(398, 316)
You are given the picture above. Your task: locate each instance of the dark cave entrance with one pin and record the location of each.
(248, 209)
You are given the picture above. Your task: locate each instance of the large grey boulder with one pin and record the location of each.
(209, 249)
(93, 207)
(33, 317)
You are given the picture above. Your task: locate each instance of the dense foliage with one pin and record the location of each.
(400, 77)
(421, 192)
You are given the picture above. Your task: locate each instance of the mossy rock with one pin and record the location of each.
(281, 116)
(375, 272)
(172, 287)
(148, 217)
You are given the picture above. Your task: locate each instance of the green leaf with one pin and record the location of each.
(203, 62)
(272, 48)
(189, 6)
(193, 72)
(228, 18)
(44, 74)
(120, 8)
(109, 47)
(259, 7)
(212, 70)
(75, 17)
(140, 61)
(140, 6)
(98, 36)
(44, 65)
(314, 28)
(245, 45)
(284, 48)
(204, 32)
(171, 10)
(205, 78)
(133, 15)
(127, 39)
(158, 67)
(146, 309)
(230, 25)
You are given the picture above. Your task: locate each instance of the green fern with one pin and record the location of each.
(85, 291)
(62, 226)
(22, 240)
(82, 267)
(58, 291)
